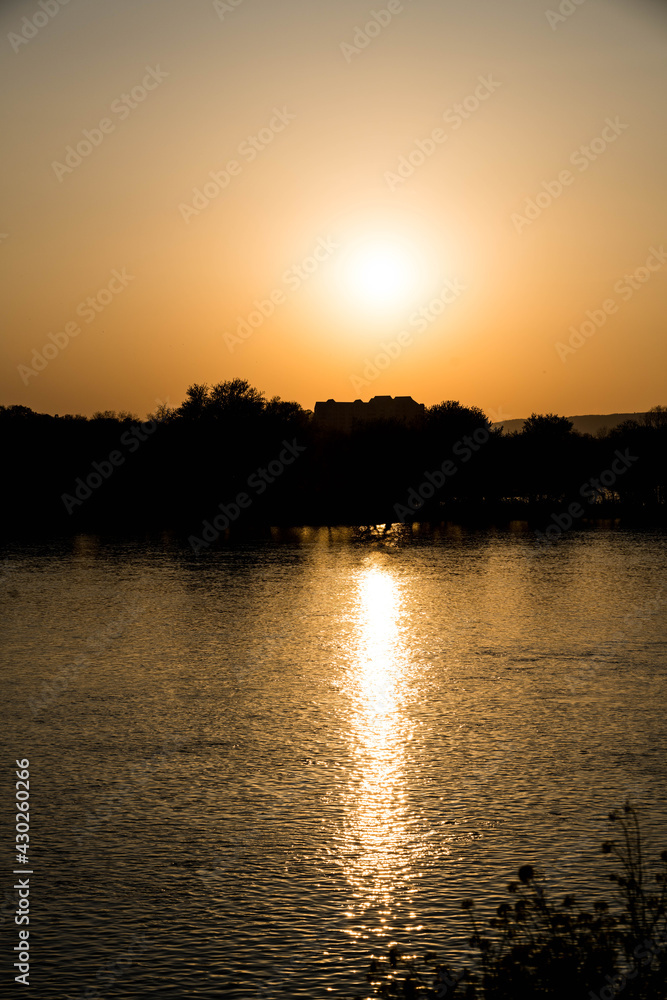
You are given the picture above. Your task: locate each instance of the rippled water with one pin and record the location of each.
(263, 765)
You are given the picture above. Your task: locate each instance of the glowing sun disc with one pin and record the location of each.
(381, 274)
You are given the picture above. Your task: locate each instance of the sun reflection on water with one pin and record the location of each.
(377, 844)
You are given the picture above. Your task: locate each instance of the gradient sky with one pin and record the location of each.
(328, 179)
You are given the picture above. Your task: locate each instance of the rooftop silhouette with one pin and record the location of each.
(342, 416)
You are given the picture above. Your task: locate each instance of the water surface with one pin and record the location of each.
(262, 765)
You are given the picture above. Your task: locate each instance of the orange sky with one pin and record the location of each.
(452, 189)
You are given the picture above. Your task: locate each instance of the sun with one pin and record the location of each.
(381, 274)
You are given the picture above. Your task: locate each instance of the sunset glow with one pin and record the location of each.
(333, 414)
(283, 187)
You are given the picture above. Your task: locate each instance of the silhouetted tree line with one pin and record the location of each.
(176, 468)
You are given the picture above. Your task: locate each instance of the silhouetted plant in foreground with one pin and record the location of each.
(539, 948)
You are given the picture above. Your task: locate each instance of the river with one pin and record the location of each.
(264, 764)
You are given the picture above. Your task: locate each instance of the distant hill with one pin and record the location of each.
(589, 423)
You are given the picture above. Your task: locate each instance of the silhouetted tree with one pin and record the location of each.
(549, 426)
(549, 458)
(656, 417)
(194, 404)
(236, 398)
(176, 470)
(451, 420)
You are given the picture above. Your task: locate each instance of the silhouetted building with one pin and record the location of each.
(341, 416)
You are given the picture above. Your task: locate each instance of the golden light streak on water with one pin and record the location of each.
(376, 835)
